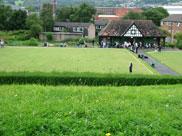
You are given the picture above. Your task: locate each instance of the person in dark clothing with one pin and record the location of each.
(160, 47)
(131, 67)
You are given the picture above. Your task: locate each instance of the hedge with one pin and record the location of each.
(88, 79)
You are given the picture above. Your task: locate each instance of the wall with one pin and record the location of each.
(58, 36)
(91, 31)
(172, 28)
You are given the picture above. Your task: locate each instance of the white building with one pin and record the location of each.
(173, 9)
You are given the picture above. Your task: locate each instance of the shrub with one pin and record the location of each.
(49, 36)
(81, 41)
(89, 79)
(172, 45)
(11, 43)
(179, 44)
(32, 42)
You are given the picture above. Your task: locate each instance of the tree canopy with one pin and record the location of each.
(46, 16)
(82, 13)
(134, 16)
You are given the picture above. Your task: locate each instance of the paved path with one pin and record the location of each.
(161, 68)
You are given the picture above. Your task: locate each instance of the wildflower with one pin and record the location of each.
(167, 105)
(108, 134)
(15, 95)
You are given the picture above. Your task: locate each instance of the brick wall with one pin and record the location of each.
(174, 28)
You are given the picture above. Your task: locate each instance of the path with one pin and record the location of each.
(159, 67)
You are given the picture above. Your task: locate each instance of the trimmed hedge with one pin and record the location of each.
(89, 79)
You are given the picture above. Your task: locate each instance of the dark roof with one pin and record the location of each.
(72, 24)
(119, 28)
(173, 18)
(101, 22)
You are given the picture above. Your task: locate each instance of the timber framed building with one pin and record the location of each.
(144, 31)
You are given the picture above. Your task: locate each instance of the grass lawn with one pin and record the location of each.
(170, 58)
(90, 111)
(71, 60)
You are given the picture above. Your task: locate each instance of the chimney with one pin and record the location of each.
(54, 6)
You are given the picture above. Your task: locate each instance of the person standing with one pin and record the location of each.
(136, 47)
(2, 43)
(131, 67)
(160, 47)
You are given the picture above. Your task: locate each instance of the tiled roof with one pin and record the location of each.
(72, 24)
(119, 28)
(174, 18)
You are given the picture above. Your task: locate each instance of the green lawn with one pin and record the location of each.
(71, 60)
(170, 58)
(90, 111)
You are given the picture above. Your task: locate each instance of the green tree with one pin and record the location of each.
(18, 20)
(46, 15)
(33, 19)
(165, 31)
(83, 13)
(63, 14)
(134, 16)
(35, 30)
(178, 37)
(5, 15)
(163, 11)
(154, 15)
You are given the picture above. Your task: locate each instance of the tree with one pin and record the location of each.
(178, 37)
(134, 16)
(83, 13)
(163, 11)
(63, 14)
(5, 14)
(35, 30)
(46, 15)
(18, 20)
(156, 14)
(165, 31)
(33, 19)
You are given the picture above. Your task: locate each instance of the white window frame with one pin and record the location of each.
(178, 24)
(162, 23)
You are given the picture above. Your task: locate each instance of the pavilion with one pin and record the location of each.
(144, 31)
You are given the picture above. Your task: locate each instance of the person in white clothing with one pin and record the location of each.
(2, 43)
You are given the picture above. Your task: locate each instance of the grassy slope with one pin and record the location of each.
(171, 59)
(69, 60)
(94, 111)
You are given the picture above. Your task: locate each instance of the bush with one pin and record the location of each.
(49, 36)
(179, 44)
(32, 42)
(81, 41)
(12, 43)
(172, 45)
(88, 79)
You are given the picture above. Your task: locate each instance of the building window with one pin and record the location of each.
(79, 29)
(170, 23)
(74, 29)
(178, 24)
(97, 27)
(162, 23)
(56, 28)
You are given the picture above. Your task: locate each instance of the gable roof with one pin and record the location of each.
(173, 18)
(119, 28)
(72, 24)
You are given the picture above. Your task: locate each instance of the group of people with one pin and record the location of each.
(2, 43)
(131, 46)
